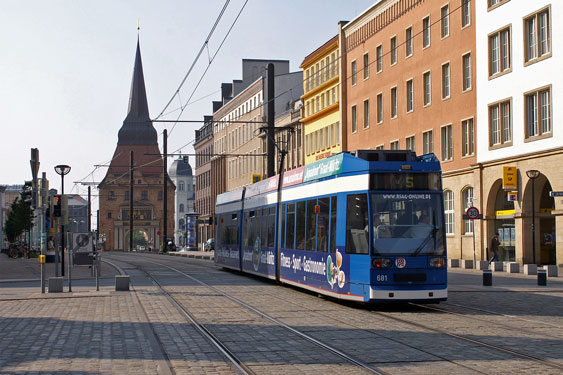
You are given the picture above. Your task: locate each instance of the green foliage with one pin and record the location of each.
(19, 220)
(139, 238)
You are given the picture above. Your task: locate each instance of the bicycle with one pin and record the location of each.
(17, 250)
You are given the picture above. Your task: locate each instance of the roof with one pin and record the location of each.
(312, 56)
(137, 127)
(180, 168)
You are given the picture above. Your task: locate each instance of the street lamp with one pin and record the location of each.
(62, 170)
(532, 175)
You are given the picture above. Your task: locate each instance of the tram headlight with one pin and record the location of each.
(382, 262)
(437, 262)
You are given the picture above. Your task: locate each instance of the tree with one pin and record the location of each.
(20, 219)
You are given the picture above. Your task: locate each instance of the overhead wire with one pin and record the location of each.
(197, 57)
(211, 61)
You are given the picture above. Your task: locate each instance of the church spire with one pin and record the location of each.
(137, 127)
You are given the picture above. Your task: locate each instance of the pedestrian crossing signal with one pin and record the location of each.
(256, 178)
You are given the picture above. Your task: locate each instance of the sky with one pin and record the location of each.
(66, 69)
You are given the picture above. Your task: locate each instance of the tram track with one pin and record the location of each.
(513, 353)
(445, 311)
(216, 341)
(474, 341)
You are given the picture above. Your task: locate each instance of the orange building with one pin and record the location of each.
(408, 82)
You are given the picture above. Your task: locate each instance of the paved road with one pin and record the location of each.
(141, 331)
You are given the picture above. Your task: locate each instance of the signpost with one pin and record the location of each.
(473, 214)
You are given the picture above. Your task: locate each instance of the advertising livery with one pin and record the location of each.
(367, 227)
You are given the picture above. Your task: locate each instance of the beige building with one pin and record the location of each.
(203, 147)
(518, 81)
(407, 81)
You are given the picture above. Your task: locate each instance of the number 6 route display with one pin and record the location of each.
(366, 226)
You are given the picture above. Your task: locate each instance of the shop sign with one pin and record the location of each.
(505, 212)
(512, 196)
(509, 178)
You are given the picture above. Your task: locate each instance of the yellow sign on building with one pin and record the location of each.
(509, 178)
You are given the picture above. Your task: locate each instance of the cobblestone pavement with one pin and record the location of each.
(142, 332)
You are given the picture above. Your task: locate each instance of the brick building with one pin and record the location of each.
(138, 137)
(407, 74)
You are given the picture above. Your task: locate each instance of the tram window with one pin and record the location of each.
(284, 221)
(300, 226)
(234, 229)
(332, 224)
(323, 218)
(356, 224)
(311, 225)
(290, 227)
(245, 228)
(251, 228)
(271, 227)
(264, 224)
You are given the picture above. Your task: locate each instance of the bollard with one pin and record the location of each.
(551, 270)
(482, 265)
(542, 278)
(530, 269)
(487, 278)
(121, 282)
(56, 284)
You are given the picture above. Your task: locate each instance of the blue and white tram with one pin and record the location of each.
(367, 227)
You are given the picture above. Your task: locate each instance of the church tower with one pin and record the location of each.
(137, 136)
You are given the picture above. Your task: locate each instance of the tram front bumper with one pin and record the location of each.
(408, 295)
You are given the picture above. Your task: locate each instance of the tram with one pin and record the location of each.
(365, 226)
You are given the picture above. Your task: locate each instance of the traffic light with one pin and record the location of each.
(56, 204)
(27, 192)
(64, 209)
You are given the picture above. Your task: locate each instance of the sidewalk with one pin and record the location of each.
(21, 278)
(209, 255)
(82, 332)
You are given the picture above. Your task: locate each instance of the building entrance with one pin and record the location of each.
(505, 226)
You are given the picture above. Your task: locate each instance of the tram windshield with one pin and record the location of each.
(407, 224)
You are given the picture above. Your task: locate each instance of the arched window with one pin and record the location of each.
(467, 202)
(181, 186)
(181, 224)
(449, 211)
(181, 207)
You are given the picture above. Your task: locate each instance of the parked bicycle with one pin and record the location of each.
(18, 249)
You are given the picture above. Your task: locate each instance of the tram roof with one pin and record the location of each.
(367, 161)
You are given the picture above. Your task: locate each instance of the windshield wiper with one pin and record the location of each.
(430, 235)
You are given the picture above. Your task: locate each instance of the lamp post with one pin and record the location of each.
(62, 170)
(532, 175)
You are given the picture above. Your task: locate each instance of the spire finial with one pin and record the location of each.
(138, 25)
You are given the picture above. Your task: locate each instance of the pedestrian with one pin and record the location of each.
(494, 247)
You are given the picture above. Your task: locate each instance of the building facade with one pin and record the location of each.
(517, 45)
(321, 101)
(137, 140)
(408, 82)
(203, 147)
(182, 176)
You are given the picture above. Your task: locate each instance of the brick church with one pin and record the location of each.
(137, 135)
